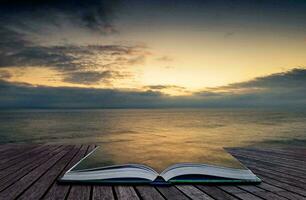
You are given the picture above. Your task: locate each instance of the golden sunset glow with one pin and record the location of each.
(176, 50)
(198, 63)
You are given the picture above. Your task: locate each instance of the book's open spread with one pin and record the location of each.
(93, 168)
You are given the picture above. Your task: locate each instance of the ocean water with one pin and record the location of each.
(218, 127)
(157, 136)
(153, 130)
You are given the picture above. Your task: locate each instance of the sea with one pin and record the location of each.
(217, 127)
(150, 135)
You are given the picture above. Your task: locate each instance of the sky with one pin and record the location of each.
(94, 53)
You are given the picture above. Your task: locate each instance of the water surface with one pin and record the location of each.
(164, 134)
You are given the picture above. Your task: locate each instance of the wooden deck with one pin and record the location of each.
(30, 172)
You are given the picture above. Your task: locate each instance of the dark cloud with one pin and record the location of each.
(288, 95)
(210, 94)
(279, 89)
(73, 60)
(17, 51)
(68, 57)
(173, 89)
(92, 14)
(11, 39)
(295, 78)
(15, 95)
(92, 77)
(162, 87)
(21, 20)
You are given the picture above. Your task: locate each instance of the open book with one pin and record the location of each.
(94, 168)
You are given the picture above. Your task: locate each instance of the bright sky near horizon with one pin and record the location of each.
(177, 48)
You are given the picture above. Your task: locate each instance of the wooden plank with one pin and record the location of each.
(231, 189)
(77, 191)
(216, 193)
(193, 193)
(171, 192)
(280, 192)
(282, 185)
(290, 195)
(18, 145)
(237, 192)
(272, 156)
(247, 196)
(251, 188)
(16, 151)
(38, 189)
(262, 164)
(23, 161)
(148, 193)
(270, 188)
(6, 147)
(16, 189)
(258, 191)
(291, 190)
(11, 147)
(102, 193)
(42, 158)
(298, 181)
(279, 178)
(275, 168)
(269, 195)
(283, 162)
(60, 191)
(22, 156)
(11, 153)
(126, 193)
(246, 192)
(282, 153)
(262, 159)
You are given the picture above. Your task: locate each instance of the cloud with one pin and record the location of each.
(209, 94)
(17, 51)
(96, 15)
(165, 59)
(69, 57)
(83, 61)
(284, 90)
(174, 90)
(229, 35)
(4, 75)
(16, 95)
(161, 87)
(279, 89)
(21, 21)
(92, 77)
(295, 78)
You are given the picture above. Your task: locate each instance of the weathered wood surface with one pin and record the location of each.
(30, 172)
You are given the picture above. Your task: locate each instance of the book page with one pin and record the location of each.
(158, 158)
